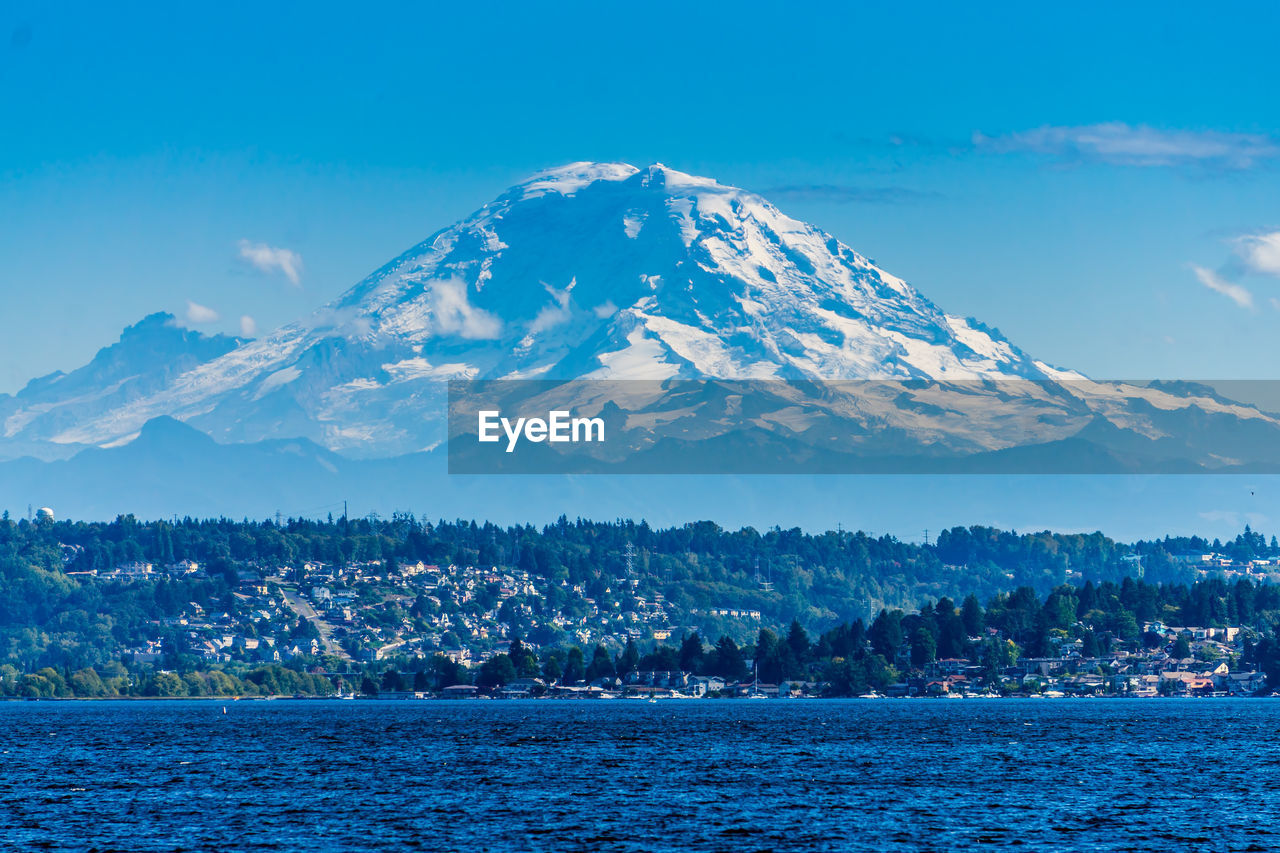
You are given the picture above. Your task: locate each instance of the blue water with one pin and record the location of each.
(622, 775)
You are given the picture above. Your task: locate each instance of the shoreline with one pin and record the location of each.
(608, 700)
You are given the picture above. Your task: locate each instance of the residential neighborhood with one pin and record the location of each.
(365, 613)
(585, 610)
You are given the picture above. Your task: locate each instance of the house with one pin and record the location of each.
(1183, 683)
(1243, 683)
(1146, 686)
(948, 666)
(701, 685)
(459, 691)
(797, 688)
(1200, 687)
(524, 687)
(458, 656)
(1085, 684)
(514, 691)
(642, 690)
(1213, 670)
(1042, 666)
(746, 688)
(134, 570)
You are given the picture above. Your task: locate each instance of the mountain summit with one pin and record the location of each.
(606, 270)
(591, 270)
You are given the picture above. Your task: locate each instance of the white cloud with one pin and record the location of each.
(556, 313)
(1234, 292)
(248, 326)
(271, 259)
(200, 314)
(1138, 145)
(342, 322)
(453, 314)
(1260, 252)
(1234, 520)
(605, 309)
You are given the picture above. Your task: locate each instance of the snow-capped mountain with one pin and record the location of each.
(601, 271)
(150, 355)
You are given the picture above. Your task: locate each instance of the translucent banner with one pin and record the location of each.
(1004, 426)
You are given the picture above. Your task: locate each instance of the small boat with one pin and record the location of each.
(755, 682)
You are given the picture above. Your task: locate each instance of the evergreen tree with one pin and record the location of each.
(923, 647)
(552, 669)
(575, 667)
(971, 616)
(601, 665)
(886, 634)
(691, 654)
(798, 641)
(627, 661)
(729, 663)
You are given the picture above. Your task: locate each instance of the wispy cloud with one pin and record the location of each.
(1232, 291)
(849, 193)
(453, 313)
(200, 314)
(557, 312)
(1260, 253)
(1234, 520)
(248, 326)
(273, 259)
(1137, 145)
(1255, 254)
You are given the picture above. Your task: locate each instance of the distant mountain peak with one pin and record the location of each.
(149, 355)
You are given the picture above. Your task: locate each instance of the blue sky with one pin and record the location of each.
(1100, 183)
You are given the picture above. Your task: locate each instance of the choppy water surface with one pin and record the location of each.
(706, 775)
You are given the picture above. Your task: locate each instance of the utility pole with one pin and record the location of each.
(766, 583)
